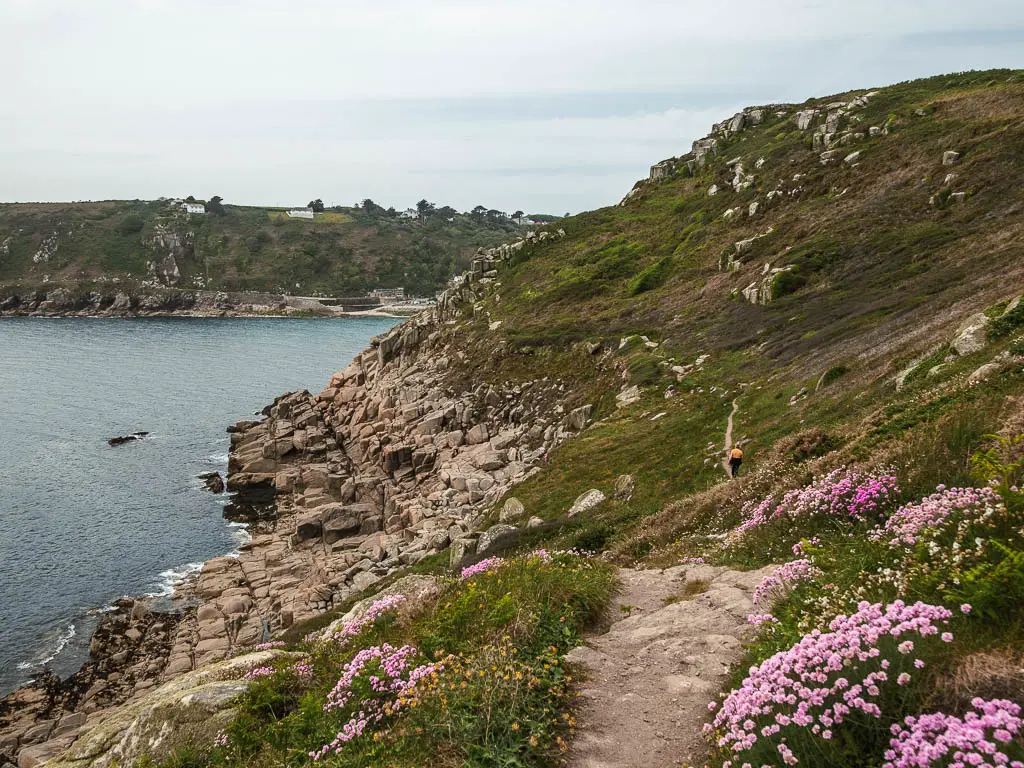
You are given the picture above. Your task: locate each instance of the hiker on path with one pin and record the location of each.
(735, 459)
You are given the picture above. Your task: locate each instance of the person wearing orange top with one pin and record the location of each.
(735, 459)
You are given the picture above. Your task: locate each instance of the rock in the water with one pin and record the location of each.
(586, 501)
(213, 482)
(971, 336)
(513, 509)
(127, 438)
(493, 536)
(624, 487)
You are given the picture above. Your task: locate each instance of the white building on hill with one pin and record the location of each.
(194, 207)
(300, 213)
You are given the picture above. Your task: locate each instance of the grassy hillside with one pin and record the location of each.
(862, 325)
(340, 252)
(882, 258)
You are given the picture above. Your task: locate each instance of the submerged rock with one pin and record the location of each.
(122, 439)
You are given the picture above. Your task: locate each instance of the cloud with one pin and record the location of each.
(526, 104)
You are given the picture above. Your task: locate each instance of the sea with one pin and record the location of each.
(83, 523)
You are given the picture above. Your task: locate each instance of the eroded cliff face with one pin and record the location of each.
(390, 463)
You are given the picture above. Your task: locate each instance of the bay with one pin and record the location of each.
(81, 522)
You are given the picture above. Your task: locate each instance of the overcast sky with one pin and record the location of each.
(549, 106)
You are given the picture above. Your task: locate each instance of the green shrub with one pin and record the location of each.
(644, 371)
(1007, 323)
(785, 283)
(500, 698)
(592, 539)
(833, 374)
(131, 224)
(652, 277)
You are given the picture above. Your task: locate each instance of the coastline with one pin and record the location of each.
(387, 465)
(218, 314)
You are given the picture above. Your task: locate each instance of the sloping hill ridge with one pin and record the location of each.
(138, 246)
(800, 258)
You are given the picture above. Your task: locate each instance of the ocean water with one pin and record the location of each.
(82, 523)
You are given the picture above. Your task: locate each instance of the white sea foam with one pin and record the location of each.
(240, 533)
(63, 639)
(173, 577)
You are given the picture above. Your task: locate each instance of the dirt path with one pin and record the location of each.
(728, 437)
(651, 676)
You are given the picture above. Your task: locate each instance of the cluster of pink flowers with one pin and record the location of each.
(542, 554)
(257, 672)
(222, 740)
(826, 678)
(982, 738)
(912, 521)
(775, 585)
(485, 565)
(801, 547)
(692, 561)
(390, 676)
(346, 632)
(269, 646)
(303, 670)
(757, 619)
(842, 493)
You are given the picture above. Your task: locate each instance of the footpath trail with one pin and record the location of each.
(650, 677)
(728, 437)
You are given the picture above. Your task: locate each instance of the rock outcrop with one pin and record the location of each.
(192, 709)
(387, 465)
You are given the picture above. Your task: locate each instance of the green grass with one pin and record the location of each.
(339, 252)
(502, 698)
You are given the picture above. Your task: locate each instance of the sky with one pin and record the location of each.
(546, 106)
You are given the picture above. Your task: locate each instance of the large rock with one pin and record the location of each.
(624, 487)
(478, 434)
(586, 501)
(417, 590)
(489, 461)
(308, 528)
(188, 711)
(460, 550)
(972, 335)
(578, 418)
(494, 536)
(513, 509)
(627, 396)
(340, 523)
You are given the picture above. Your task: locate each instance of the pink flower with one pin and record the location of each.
(940, 740)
